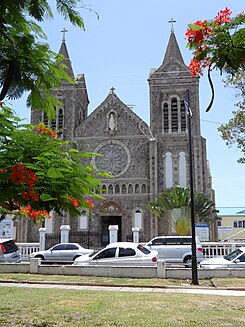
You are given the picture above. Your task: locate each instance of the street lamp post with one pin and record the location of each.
(193, 232)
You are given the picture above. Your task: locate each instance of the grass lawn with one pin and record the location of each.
(59, 307)
(70, 308)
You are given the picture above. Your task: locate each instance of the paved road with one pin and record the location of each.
(222, 292)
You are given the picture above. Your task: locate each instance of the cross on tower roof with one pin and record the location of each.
(172, 21)
(64, 31)
(112, 90)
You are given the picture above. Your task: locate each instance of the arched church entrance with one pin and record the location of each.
(111, 214)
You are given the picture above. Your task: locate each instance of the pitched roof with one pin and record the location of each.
(231, 211)
(173, 51)
(66, 61)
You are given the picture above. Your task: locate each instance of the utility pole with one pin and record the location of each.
(193, 231)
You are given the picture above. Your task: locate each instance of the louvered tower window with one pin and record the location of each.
(60, 119)
(165, 118)
(45, 119)
(174, 115)
(183, 117)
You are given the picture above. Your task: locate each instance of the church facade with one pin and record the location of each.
(144, 160)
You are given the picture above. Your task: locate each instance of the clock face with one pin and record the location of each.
(114, 158)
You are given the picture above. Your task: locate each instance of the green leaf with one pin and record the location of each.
(54, 173)
(46, 197)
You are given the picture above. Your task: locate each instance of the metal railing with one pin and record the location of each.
(217, 249)
(26, 249)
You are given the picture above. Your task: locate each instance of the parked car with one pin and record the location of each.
(176, 249)
(121, 254)
(9, 252)
(63, 252)
(235, 259)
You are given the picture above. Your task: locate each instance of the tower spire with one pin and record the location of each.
(64, 52)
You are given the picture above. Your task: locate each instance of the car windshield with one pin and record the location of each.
(233, 255)
(93, 253)
(143, 249)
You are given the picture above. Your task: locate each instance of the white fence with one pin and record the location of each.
(210, 249)
(26, 249)
(216, 249)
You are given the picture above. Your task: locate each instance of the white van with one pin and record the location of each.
(176, 249)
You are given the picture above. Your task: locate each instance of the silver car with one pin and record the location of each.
(235, 259)
(120, 254)
(63, 252)
(9, 252)
(176, 249)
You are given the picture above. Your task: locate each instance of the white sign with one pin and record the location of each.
(202, 232)
(6, 229)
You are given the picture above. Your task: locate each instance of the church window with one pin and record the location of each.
(174, 115)
(60, 119)
(168, 170)
(56, 123)
(123, 189)
(110, 189)
(53, 124)
(137, 188)
(83, 220)
(45, 119)
(165, 118)
(137, 219)
(182, 169)
(117, 189)
(183, 117)
(104, 188)
(143, 188)
(130, 188)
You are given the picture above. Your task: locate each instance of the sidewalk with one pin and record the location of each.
(83, 287)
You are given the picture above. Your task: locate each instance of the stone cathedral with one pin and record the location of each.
(144, 160)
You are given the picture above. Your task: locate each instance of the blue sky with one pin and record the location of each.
(120, 48)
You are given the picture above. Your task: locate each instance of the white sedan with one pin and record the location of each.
(235, 259)
(63, 252)
(120, 254)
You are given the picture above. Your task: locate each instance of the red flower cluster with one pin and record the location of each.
(74, 202)
(22, 175)
(30, 194)
(33, 214)
(26, 176)
(198, 34)
(46, 130)
(196, 66)
(3, 170)
(223, 17)
(90, 204)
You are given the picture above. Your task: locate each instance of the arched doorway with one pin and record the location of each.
(110, 214)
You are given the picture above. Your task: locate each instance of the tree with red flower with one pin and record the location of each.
(40, 173)
(220, 44)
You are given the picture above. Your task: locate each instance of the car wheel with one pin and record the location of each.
(188, 262)
(40, 257)
(77, 256)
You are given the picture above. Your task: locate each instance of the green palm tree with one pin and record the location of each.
(176, 201)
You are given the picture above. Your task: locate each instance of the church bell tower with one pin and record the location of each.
(169, 85)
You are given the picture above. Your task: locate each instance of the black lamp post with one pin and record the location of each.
(193, 232)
